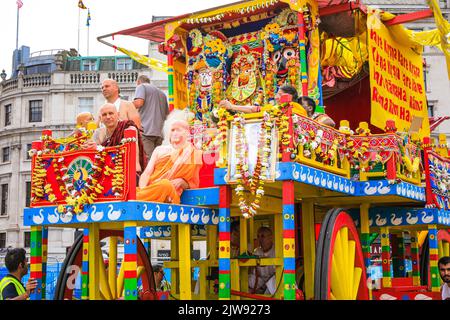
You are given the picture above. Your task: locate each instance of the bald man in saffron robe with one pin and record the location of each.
(172, 168)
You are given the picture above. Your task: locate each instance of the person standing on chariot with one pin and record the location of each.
(172, 168)
(113, 132)
(126, 109)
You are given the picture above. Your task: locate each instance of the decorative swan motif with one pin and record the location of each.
(167, 232)
(408, 191)
(158, 232)
(421, 296)
(335, 183)
(295, 173)
(426, 218)
(183, 216)
(380, 221)
(302, 175)
(369, 190)
(383, 190)
(149, 233)
(399, 189)
(113, 215)
(172, 215)
(352, 188)
(194, 216)
(202, 230)
(160, 215)
(396, 221)
(147, 214)
(205, 217)
(410, 219)
(323, 181)
(95, 215)
(54, 216)
(66, 218)
(215, 218)
(329, 183)
(346, 186)
(341, 185)
(39, 219)
(403, 189)
(310, 177)
(316, 179)
(83, 216)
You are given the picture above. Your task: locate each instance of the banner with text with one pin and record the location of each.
(396, 80)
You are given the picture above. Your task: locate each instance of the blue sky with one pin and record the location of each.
(53, 24)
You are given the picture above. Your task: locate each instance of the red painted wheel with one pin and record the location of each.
(340, 273)
(72, 268)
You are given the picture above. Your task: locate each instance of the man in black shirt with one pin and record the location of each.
(11, 287)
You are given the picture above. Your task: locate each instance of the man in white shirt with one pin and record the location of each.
(444, 270)
(262, 279)
(126, 109)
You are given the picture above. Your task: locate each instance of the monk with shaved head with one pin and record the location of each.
(172, 168)
(113, 132)
(126, 109)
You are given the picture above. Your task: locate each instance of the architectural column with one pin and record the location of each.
(288, 240)
(184, 252)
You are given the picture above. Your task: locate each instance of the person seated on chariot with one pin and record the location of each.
(172, 168)
(310, 107)
(85, 123)
(113, 132)
(284, 90)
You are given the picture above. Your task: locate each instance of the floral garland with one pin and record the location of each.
(256, 182)
(76, 200)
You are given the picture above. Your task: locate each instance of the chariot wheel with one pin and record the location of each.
(71, 270)
(339, 271)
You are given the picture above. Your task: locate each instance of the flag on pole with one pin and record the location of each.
(80, 4)
(88, 18)
(19, 4)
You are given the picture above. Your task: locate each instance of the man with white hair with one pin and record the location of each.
(172, 168)
(126, 109)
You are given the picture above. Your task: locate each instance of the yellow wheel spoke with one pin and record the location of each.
(104, 285)
(350, 266)
(112, 269)
(120, 280)
(357, 278)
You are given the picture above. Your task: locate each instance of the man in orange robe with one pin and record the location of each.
(172, 168)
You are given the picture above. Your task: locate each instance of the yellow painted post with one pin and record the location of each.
(174, 256)
(184, 252)
(386, 257)
(251, 231)
(365, 235)
(278, 239)
(211, 238)
(112, 266)
(94, 268)
(309, 246)
(235, 279)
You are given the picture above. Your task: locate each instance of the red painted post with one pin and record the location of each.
(428, 189)
(130, 133)
(391, 164)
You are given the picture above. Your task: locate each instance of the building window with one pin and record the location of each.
(5, 154)
(27, 156)
(26, 239)
(7, 115)
(3, 240)
(35, 114)
(124, 64)
(4, 200)
(430, 110)
(27, 193)
(89, 65)
(86, 104)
